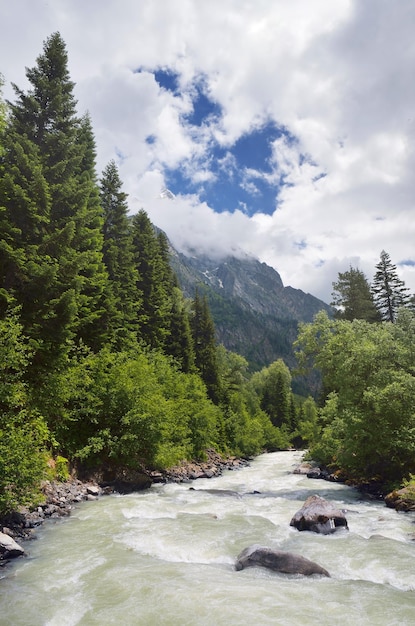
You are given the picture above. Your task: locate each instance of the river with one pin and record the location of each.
(165, 557)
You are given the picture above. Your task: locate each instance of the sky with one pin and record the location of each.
(282, 129)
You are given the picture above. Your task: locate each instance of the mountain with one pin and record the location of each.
(254, 313)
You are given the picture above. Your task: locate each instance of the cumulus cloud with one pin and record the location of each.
(336, 77)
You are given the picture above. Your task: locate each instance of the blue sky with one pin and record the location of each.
(241, 173)
(285, 130)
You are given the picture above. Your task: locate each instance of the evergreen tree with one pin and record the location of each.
(155, 305)
(49, 171)
(119, 256)
(389, 290)
(276, 393)
(168, 277)
(204, 340)
(26, 272)
(94, 302)
(179, 343)
(353, 298)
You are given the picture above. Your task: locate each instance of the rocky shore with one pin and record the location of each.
(61, 497)
(400, 499)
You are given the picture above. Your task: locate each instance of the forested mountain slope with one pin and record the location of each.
(254, 314)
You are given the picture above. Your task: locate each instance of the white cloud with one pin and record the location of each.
(337, 75)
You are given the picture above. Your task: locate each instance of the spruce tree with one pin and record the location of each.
(353, 298)
(27, 273)
(179, 343)
(389, 290)
(168, 277)
(57, 191)
(94, 302)
(119, 257)
(155, 305)
(205, 346)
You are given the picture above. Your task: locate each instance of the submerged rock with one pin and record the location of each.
(284, 562)
(319, 516)
(218, 492)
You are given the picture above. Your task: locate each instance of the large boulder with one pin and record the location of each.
(319, 516)
(284, 562)
(9, 548)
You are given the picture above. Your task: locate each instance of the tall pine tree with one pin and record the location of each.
(179, 343)
(119, 257)
(154, 282)
(204, 340)
(389, 290)
(56, 191)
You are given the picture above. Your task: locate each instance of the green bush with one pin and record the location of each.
(62, 469)
(23, 432)
(22, 460)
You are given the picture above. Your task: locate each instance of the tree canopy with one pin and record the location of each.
(352, 297)
(368, 418)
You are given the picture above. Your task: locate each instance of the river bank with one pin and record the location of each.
(399, 499)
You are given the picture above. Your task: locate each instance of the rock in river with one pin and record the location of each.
(284, 562)
(9, 548)
(319, 516)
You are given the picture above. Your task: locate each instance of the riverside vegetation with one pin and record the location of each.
(105, 364)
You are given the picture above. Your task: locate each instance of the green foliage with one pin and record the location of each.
(23, 437)
(248, 428)
(353, 298)
(23, 432)
(62, 468)
(179, 343)
(368, 421)
(136, 408)
(308, 427)
(155, 282)
(326, 447)
(52, 254)
(273, 384)
(409, 484)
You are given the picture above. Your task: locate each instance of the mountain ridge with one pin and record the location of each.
(255, 315)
